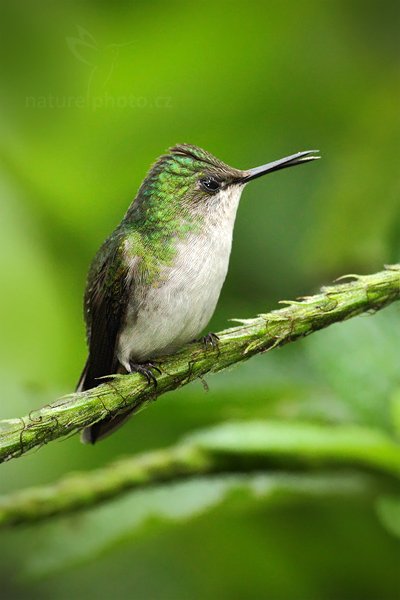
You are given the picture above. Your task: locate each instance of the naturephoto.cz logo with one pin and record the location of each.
(101, 61)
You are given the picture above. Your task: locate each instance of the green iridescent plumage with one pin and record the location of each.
(164, 210)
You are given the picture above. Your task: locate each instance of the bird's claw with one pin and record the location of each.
(211, 339)
(145, 369)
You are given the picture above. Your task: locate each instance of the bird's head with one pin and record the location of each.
(189, 179)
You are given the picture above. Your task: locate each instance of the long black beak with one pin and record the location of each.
(283, 163)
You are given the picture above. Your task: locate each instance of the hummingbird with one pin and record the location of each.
(155, 282)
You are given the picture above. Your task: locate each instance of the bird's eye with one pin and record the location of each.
(210, 185)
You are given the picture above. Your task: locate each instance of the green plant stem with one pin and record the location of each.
(252, 336)
(240, 448)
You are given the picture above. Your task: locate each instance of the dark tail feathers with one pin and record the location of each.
(100, 430)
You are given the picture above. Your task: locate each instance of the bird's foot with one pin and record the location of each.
(210, 340)
(146, 369)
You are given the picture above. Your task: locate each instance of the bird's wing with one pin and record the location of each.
(106, 297)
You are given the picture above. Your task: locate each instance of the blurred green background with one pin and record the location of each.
(91, 93)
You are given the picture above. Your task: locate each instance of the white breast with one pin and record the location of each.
(179, 308)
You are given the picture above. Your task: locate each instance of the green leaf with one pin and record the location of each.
(359, 362)
(74, 539)
(304, 443)
(388, 509)
(395, 410)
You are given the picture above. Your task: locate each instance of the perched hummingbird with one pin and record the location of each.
(154, 283)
